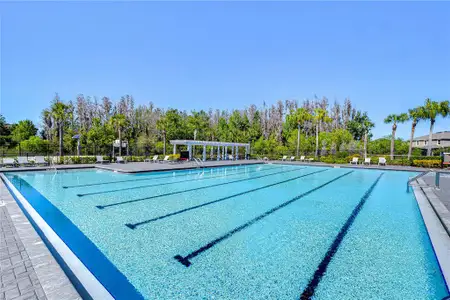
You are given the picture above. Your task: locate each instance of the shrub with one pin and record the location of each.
(427, 163)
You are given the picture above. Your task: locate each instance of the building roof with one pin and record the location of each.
(443, 135)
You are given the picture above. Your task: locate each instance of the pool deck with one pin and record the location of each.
(29, 271)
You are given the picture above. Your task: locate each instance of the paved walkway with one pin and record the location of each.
(28, 269)
(444, 191)
(18, 278)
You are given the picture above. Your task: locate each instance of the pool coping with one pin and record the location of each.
(437, 222)
(82, 274)
(429, 204)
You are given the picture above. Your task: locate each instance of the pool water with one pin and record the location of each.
(245, 232)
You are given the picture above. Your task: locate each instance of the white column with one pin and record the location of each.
(175, 149)
(218, 152)
(237, 153)
(204, 152)
(232, 151)
(226, 152)
(190, 151)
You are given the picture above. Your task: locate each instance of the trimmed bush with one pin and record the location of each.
(427, 163)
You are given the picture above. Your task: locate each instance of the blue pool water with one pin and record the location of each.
(247, 232)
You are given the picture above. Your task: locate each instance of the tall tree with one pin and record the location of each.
(119, 122)
(431, 110)
(23, 130)
(415, 115)
(60, 114)
(320, 116)
(367, 126)
(395, 119)
(298, 117)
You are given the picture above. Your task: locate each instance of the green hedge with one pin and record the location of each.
(427, 163)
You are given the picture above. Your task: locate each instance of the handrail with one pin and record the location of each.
(199, 162)
(411, 179)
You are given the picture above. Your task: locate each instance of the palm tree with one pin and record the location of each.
(415, 115)
(59, 112)
(119, 122)
(367, 125)
(395, 119)
(320, 116)
(300, 117)
(431, 110)
(161, 125)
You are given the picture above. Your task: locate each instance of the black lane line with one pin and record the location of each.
(128, 180)
(185, 260)
(308, 292)
(134, 225)
(194, 189)
(174, 182)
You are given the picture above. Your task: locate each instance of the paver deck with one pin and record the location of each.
(28, 269)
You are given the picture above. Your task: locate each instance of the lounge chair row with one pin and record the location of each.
(23, 161)
(121, 160)
(367, 161)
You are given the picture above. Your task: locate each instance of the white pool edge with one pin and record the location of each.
(89, 282)
(439, 237)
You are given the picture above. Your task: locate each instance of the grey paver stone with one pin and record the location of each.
(11, 294)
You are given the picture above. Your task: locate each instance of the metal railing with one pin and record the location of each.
(411, 179)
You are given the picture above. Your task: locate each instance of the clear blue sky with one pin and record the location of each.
(387, 57)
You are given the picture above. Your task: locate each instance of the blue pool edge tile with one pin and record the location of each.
(95, 261)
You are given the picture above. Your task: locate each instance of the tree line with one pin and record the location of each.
(312, 127)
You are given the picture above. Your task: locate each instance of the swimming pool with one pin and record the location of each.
(246, 232)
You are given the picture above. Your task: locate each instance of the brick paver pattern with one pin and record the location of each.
(18, 278)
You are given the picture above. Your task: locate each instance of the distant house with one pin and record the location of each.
(439, 140)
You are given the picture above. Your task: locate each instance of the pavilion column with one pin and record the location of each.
(232, 152)
(212, 152)
(237, 153)
(204, 152)
(218, 152)
(226, 152)
(223, 152)
(246, 152)
(174, 149)
(190, 152)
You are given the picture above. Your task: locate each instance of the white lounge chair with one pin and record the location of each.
(100, 160)
(311, 159)
(23, 161)
(284, 158)
(382, 161)
(367, 161)
(302, 158)
(9, 162)
(120, 160)
(40, 160)
(230, 157)
(354, 161)
(265, 158)
(292, 158)
(166, 159)
(153, 159)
